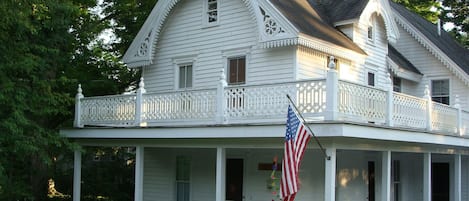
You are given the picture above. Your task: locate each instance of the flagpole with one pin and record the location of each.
(307, 126)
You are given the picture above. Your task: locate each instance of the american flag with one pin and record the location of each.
(296, 139)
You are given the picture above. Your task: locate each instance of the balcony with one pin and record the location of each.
(329, 99)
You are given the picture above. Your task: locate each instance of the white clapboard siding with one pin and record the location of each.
(377, 49)
(158, 175)
(311, 64)
(431, 67)
(184, 36)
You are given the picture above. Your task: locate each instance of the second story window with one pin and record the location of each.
(371, 79)
(396, 84)
(237, 70)
(440, 91)
(211, 11)
(185, 76)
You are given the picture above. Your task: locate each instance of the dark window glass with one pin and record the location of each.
(237, 70)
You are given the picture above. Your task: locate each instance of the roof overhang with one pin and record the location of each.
(401, 72)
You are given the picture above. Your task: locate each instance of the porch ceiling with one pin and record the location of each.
(244, 131)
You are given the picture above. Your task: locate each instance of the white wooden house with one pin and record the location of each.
(385, 91)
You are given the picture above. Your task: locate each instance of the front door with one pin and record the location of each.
(440, 181)
(234, 179)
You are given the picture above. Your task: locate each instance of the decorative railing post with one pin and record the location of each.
(78, 97)
(221, 99)
(332, 84)
(138, 103)
(457, 105)
(429, 108)
(390, 102)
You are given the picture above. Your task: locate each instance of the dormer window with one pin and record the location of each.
(211, 12)
(370, 32)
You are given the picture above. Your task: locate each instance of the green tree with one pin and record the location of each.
(47, 48)
(457, 12)
(425, 8)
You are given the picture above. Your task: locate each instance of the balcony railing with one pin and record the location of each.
(327, 99)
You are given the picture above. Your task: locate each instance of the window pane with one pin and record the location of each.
(241, 70)
(237, 70)
(189, 76)
(371, 79)
(182, 77)
(440, 91)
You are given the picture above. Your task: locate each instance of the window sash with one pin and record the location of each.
(440, 91)
(237, 70)
(371, 79)
(185, 76)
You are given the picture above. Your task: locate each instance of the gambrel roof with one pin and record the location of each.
(313, 23)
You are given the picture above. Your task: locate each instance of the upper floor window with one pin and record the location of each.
(371, 79)
(211, 11)
(237, 70)
(396, 84)
(370, 32)
(185, 76)
(440, 91)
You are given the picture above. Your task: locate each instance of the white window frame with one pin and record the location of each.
(178, 62)
(449, 87)
(371, 25)
(205, 15)
(236, 52)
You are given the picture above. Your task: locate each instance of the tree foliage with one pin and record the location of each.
(457, 12)
(425, 8)
(47, 48)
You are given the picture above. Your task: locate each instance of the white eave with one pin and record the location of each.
(403, 73)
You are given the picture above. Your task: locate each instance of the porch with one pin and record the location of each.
(319, 100)
(241, 170)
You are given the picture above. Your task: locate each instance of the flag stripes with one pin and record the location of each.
(296, 139)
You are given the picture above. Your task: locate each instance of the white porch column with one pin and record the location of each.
(220, 174)
(77, 175)
(457, 177)
(386, 176)
(139, 152)
(427, 177)
(330, 174)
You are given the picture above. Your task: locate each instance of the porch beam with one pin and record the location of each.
(330, 174)
(220, 174)
(77, 175)
(457, 177)
(139, 159)
(427, 177)
(386, 176)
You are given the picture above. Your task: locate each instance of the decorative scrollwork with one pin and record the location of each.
(143, 50)
(271, 27)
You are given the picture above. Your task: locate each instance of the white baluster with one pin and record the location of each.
(78, 97)
(429, 108)
(138, 103)
(457, 105)
(332, 81)
(221, 99)
(390, 102)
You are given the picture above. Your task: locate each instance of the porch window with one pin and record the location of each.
(440, 91)
(396, 179)
(237, 70)
(183, 164)
(185, 76)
